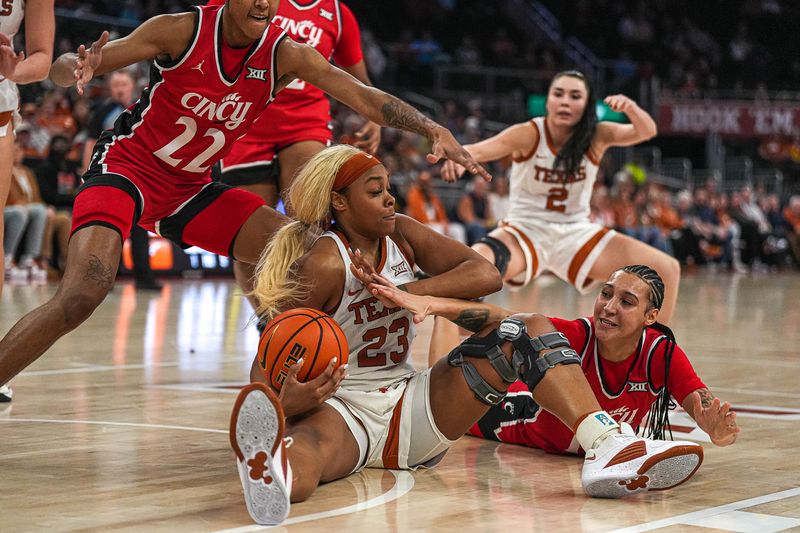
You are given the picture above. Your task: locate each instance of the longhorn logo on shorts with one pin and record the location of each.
(256, 74)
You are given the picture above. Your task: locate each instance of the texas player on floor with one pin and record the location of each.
(555, 163)
(16, 68)
(297, 124)
(384, 414)
(215, 70)
(626, 356)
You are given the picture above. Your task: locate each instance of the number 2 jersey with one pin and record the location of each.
(539, 192)
(378, 337)
(192, 112)
(625, 389)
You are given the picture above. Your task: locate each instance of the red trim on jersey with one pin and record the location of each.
(580, 257)
(384, 253)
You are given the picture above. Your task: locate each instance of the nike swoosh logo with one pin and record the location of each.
(353, 293)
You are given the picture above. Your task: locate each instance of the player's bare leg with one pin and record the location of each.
(291, 158)
(516, 263)
(564, 390)
(92, 262)
(244, 272)
(623, 250)
(256, 232)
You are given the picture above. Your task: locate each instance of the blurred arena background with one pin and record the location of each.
(722, 79)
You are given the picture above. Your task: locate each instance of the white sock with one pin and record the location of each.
(594, 428)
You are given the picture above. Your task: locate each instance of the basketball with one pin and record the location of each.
(297, 334)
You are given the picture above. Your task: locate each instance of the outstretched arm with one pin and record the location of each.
(515, 141)
(472, 316)
(297, 60)
(164, 37)
(712, 416)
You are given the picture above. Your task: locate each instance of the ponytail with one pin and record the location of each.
(276, 282)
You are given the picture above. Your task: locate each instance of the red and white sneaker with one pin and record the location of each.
(625, 464)
(257, 438)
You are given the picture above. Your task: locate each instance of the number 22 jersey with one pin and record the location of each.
(194, 109)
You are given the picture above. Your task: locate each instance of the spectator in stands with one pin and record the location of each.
(754, 226)
(423, 204)
(602, 211)
(59, 179)
(685, 242)
(475, 212)
(24, 215)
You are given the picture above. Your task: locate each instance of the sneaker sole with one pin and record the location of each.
(660, 472)
(256, 432)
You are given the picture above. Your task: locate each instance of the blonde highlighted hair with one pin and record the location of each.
(310, 198)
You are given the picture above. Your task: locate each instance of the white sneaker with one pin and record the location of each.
(5, 393)
(625, 464)
(257, 438)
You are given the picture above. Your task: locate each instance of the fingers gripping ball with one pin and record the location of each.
(297, 334)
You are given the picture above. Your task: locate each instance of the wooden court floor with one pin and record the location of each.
(122, 426)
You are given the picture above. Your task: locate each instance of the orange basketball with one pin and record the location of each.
(300, 333)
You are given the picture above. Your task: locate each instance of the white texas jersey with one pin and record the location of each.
(539, 192)
(12, 13)
(379, 338)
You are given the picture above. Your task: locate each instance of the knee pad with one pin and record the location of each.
(502, 255)
(526, 363)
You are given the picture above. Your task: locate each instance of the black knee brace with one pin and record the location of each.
(502, 255)
(525, 362)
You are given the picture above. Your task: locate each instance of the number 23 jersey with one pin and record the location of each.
(378, 337)
(194, 108)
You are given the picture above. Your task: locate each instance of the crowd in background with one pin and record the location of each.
(738, 230)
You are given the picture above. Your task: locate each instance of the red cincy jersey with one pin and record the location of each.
(331, 28)
(194, 108)
(624, 389)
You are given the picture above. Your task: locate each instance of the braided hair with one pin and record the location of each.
(658, 419)
(570, 155)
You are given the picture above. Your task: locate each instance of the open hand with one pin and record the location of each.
(88, 61)
(445, 146)
(297, 397)
(389, 294)
(368, 138)
(717, 420)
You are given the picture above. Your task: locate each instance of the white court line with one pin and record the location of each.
(139, 366)
(711, 511)
(752, 392)
(120, 424)
(404, 482)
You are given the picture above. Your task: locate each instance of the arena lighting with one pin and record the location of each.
(536, 108)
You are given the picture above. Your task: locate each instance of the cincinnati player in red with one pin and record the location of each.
(214, 71)
(297, 124)
(379, 411)
(631, 362)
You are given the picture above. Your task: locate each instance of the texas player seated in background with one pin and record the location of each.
(627, 357)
